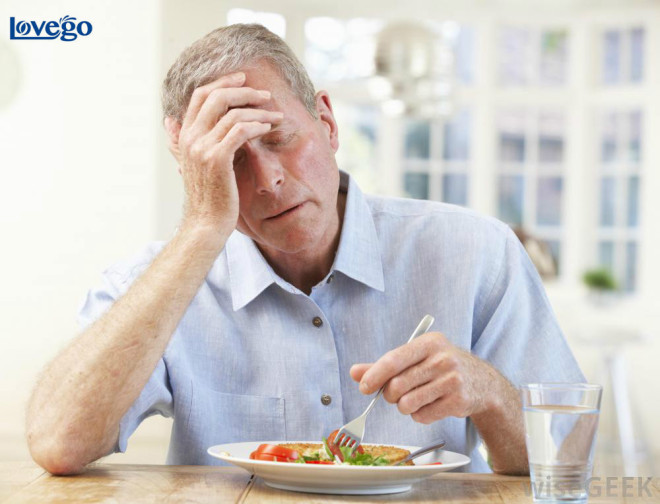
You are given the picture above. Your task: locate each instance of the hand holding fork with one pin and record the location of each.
(352, 433)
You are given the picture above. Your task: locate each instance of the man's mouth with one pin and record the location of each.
(286, 212)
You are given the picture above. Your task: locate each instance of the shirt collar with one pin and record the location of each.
(358, 254)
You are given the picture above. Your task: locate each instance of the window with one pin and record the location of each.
(622, 60)
(337, 50)
(532, 56)
(437, 158)
(620, 139)
(358, 126)
(531, 156)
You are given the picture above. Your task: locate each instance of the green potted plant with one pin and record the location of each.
(601, 284)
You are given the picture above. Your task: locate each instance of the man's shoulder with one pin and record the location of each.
(404, 211)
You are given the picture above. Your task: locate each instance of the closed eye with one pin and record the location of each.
(277, 140)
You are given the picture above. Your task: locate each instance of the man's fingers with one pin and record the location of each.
(239, 134)
(219, 101)
(357, 370)
(201, 93)
(432, 412)
(396, 361)
(429, 369)
(237, 115)
(442, 386)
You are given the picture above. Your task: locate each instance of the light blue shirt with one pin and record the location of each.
(249, 361)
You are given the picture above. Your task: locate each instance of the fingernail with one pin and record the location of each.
(364, 387)
(265, 94)
(239, 76)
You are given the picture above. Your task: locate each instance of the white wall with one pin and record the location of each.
(78, 187)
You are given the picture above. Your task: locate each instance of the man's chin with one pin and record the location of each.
(287, 244)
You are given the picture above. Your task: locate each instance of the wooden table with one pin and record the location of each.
(115, 483)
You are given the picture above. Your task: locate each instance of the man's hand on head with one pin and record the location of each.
(220, 118)
(431, 379)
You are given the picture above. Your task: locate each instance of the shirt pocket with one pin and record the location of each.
(218, 417)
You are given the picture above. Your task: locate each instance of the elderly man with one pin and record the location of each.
(284, 281)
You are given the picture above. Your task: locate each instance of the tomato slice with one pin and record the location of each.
(268, 457)
(274, 453)
(335, 448)
(278, 451)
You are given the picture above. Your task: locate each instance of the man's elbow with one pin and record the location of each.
(521, 468)
(56, 457)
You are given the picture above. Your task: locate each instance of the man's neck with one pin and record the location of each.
(307, 268)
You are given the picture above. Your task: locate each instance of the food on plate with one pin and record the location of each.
(329, 453)
(378, 455)
(274, 453)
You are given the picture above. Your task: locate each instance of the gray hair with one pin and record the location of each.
(226, 50)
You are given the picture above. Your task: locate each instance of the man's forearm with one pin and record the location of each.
(74, 412)
(502, 428)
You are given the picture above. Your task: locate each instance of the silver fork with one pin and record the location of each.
(352, 433)
(422, 451)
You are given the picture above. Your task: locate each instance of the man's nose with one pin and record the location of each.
(267, 172)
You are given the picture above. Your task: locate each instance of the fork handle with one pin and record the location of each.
(422, 451)
(422, 327)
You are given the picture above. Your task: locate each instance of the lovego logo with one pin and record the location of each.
(67, 29)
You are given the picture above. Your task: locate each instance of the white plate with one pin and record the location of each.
(337, 479)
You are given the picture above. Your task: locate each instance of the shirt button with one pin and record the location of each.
(331, 278)
(326, 399)
(317, 321)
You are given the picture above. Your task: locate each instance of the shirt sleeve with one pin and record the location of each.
(156, 396)
(516, 330)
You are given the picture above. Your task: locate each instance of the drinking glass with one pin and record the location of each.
(561, 420)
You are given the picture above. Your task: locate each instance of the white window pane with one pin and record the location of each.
(637, 54)
(635, 141)
(551, 138)
(515, 56)
(464, 55)
(323, 53)
(417, 142)
(633, 201)
(606, 255)
(554, 56)
(510, 199)
(457, 137)
(336, 49)
(416, 185)
(360, 46)
(631, 266)
(607, 201)
(359, 130)
(271, 20)
(609, 133)
(454, 188)
(611, 57)
(549, 197)
(511, 131)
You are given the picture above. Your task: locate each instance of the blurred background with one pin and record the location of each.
(541, 113)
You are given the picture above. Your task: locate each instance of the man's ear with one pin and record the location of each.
(327, 117)
(173, 129)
